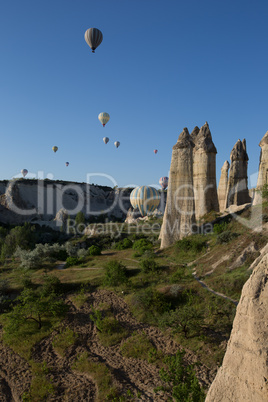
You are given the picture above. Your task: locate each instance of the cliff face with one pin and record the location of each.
(179, 213)
(204, 171)
(237, 191)
(263, 169)
(244, 372)
(40, 201)
(223, 184)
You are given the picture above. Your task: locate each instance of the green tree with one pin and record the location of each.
(181, 380)
(115, 273)
(80, 218)
(35, 305)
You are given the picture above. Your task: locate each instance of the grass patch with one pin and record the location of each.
(63, 340)
(139, 346)
(100, 374)
(110, 331)
(41, 386)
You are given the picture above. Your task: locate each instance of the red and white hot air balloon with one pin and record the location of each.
(163, 181)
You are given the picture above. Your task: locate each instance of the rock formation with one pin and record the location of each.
(179, 213)
(39, 201)
(223, 184)
(204, 171)
(244, 372)
(237, 191)
(263, 169)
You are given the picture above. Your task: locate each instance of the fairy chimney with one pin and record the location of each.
(179, 215)
(204, 171)
(237, 190)
(223, 184)
(263, 169)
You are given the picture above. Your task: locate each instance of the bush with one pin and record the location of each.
(94, 250)
(123, 244)
(70, 261)
(149, 265)
(151, 300)
(220, 227)
(52, 284)
(191, 244)
(115, 274)
(181, 379)
(142, 245)
(226, 236)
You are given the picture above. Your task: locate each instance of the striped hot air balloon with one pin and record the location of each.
(163, 181)
(93, 37)
(104, 118)
(24, 172)
(145, 198)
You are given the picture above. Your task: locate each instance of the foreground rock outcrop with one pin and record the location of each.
(244, 372)
(179, 213)
(223, 184)
(204, 171)
(263, 170)
(237, 191)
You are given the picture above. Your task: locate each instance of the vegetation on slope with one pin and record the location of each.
(158, 286)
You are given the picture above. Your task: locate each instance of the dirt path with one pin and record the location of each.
(204, 285)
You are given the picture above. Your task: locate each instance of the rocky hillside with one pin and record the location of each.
(39, 201)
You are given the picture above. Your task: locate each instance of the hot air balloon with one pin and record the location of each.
(67, 163)
(93, 37)
(55, 149)
(24, 172)
(117, 143)
(155, 151)
(163, 181)
(105, 140)
(145, 198)
(103, 118)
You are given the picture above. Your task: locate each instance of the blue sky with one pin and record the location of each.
(162, 66)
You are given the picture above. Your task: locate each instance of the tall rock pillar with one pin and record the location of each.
(263, 169)
(244, 371)
(179, 215)
(237, 191)
(204, 171)
(223, 184)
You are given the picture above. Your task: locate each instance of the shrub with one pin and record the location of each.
(151, 300)
(80, 218)
(115, 274)
(181, 379)
(149, 265)
(220, 227)
(142, 245)
(123, 244)
(191, 244)
(226, 236)
(94, 250)
(52, 284)
(70, 261)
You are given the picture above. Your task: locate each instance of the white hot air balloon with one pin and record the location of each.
(105, 140)
(117, 143)
(104, 118)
